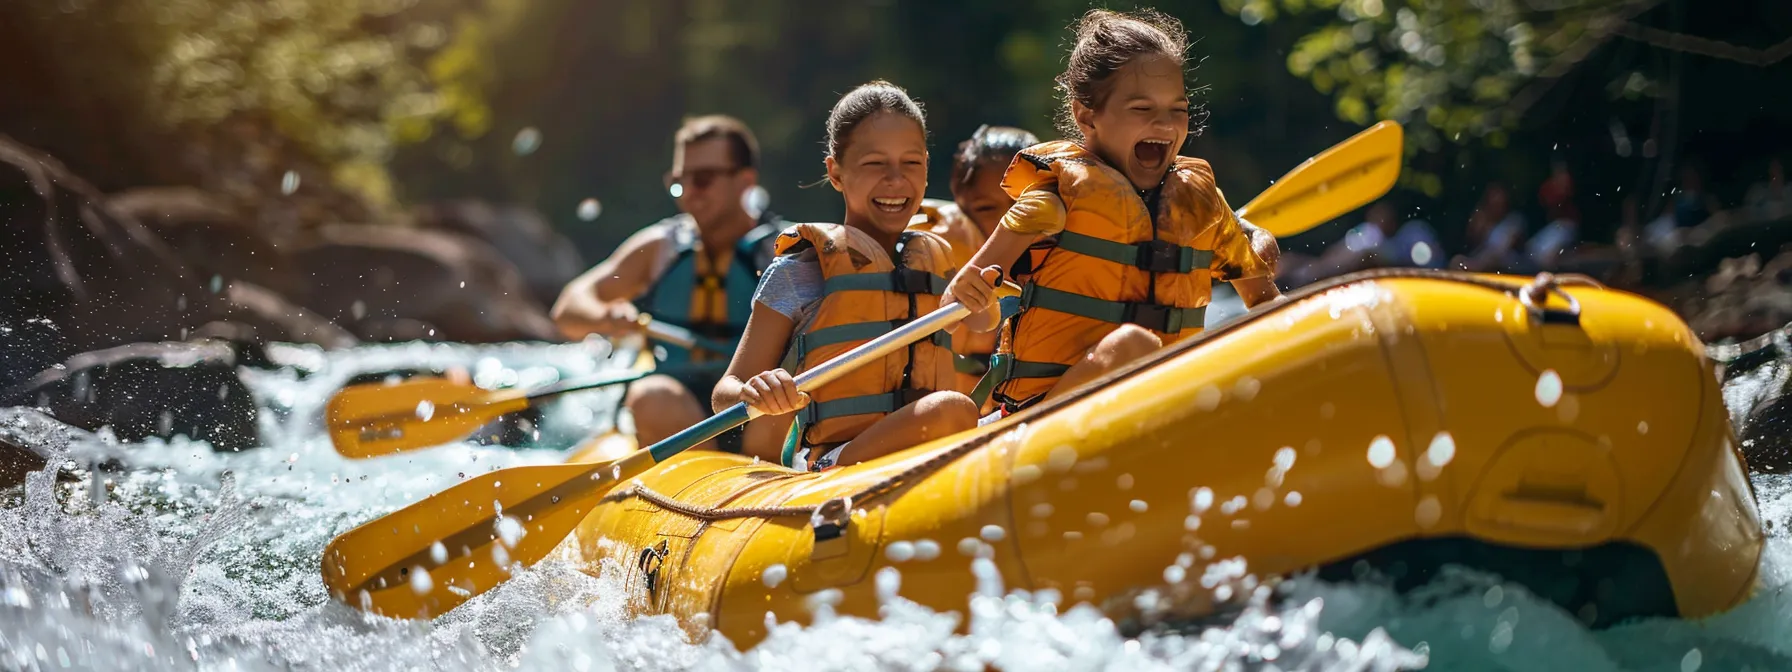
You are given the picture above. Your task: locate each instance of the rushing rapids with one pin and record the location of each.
(168, 555)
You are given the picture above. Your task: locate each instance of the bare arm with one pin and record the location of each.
(1002, 248)
(597, 301)
(761, 350)
(1263, 287)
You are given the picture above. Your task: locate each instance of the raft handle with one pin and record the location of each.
(1535, 298)
(831, 518)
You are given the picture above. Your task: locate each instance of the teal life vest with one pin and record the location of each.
(670, 298)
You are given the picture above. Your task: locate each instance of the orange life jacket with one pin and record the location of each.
(1116, 262)
(944, 219)
(865, 295)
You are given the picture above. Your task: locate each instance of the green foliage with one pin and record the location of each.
(340, 82)
(1446, 69)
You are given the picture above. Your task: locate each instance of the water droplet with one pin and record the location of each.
(1442, 449)
(1097, 519)
(590, 209)
(774, 575)
(1124, 482)
(889, 582)
(500, 557)
(1202, 499)
(1421, 253)
(1284, 458)
(1569, 409)
(927, 549)
(510, 531)
(1291, 499)
(992, 533)
(1191, 523)
(676, 190)
(1493, 597)
(1692, 661)
(1246, 388)
(358, 309)
(421, 584)
(755, 200)
(1263, 499)
(1207, 398)
(900, 551)
(1174, 574)
(293, 458)
(1428, 511)
(438, 553)
(289, 183)
(1381, 452)
(1642, 427)
(425, 410)
(526, 142)
(1327, 410)
(969, 546)
(1139, 506)
(1549, 388)
(1041, 510)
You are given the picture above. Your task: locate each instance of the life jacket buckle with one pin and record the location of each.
(910, 281)
(1156, 317)
(1159, 256)
(831, 518)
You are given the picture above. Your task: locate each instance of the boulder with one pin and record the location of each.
(145, 390)
(76, 275)
(546, 259)
(217, 242)
(396, 284)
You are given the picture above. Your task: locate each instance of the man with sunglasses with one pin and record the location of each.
(696, 269)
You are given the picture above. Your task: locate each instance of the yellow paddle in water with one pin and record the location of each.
(1338, 180)
(374, 419)
(427, 558)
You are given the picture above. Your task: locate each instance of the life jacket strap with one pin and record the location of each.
(1156, 256)
(888, 402)
(974, 364)
(1157, 317)
(901, 281)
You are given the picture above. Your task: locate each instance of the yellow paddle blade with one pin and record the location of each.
(377, 419)
(1338, 180)
(427, 558)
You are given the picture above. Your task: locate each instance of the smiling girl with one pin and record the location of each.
(1137, 234)
(836, 286)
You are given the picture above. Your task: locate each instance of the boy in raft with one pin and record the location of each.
(837, 286)
(1140, 233)
(977, 205)
(696, 270)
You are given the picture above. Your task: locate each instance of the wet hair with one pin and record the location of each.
(743, 148)
(1105, 42)
(860, 104)
(990, 144)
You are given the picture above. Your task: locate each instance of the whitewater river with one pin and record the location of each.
(182, 558)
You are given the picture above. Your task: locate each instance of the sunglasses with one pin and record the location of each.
(699, 178)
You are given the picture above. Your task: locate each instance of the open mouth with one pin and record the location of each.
(890, 204)
(1151, 153)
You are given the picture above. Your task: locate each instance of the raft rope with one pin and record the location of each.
(836, 511)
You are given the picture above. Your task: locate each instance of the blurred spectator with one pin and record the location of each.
(1563, 230)
(1494, 232)
(1770, 199)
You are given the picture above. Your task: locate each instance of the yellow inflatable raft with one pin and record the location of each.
(1571, 432)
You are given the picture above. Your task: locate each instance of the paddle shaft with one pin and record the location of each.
(582, 384)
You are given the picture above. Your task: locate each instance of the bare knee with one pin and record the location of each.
(944, 413)
(657, 391)
(1125, 344)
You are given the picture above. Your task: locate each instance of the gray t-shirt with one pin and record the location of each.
(792, 285)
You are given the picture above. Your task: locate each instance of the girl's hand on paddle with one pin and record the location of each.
(773, 393)
(976, 289)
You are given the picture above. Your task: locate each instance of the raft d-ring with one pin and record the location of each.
(1535, 298)
(830, 519)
